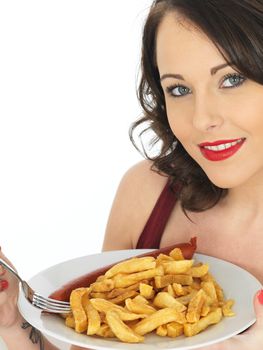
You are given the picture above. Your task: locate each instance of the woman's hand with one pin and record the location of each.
(15, 336)
(8, 297)
(252, 338)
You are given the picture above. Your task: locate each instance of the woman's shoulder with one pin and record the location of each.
(136, 196)
(142, 186)
(141, 176)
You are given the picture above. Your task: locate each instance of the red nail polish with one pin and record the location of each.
(4, 284)
(260, 296)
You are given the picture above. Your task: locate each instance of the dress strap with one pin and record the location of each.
(153, 230)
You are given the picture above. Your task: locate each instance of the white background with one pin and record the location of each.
(68, 76)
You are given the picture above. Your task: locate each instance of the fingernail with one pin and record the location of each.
(260, 297)
(4, 284)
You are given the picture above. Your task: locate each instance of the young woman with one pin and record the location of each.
(201, 91)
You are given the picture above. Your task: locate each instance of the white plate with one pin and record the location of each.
(236, 282)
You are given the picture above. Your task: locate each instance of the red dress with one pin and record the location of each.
(154, 227)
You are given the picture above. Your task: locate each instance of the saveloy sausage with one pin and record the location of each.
(63, 293)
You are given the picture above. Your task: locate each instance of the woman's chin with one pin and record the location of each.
(226, 182)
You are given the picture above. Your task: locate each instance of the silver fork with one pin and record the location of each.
(43, 303)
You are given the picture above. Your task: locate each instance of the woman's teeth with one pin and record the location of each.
(223, 146)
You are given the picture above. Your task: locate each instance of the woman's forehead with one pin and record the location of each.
(179, 42)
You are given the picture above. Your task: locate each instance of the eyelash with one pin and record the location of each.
(170, 89)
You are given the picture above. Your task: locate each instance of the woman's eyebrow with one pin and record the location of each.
(179, 76)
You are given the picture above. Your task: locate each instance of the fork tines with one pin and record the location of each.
(50, 305)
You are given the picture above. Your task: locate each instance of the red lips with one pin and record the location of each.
(216, 143)
(219, 155)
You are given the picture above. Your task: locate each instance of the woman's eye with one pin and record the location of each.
(229, 81)
(178, 90)
(232, 80)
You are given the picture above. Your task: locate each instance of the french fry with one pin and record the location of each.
(177, 267)
(175, 329)
(195, 307)
(120, 298)
(93, 316)
(170, 290)
(69, 321)
(139, 307)
(199, 271)
(131, 266)
(219, 292)
(205, 309)
(178, 289)
(119, 291)
(98, 295)
(105, 331)
(226, 308)
(120, 329)
(162, 330)
(159, 318)
(210, 290)
(176, 254)
(102, 305)
(207, 277)
(164, 299)
(161, 258)
(191, 329)
(196, 284)
(122, 281)
(146, 290)
(140, 299)
(164, 281)
(126, 315)
(185, 299)
(105, 285)
(79, 314)
(101, 278)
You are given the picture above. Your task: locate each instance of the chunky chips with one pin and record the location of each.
(168, 295)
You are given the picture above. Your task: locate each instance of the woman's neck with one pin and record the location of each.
(247, 196)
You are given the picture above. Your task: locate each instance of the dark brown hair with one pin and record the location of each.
(236, 29)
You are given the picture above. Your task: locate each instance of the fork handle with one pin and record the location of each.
(9, 268)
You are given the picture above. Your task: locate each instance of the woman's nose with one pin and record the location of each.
(206, 115)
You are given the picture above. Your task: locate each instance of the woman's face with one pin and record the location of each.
(216, 113)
